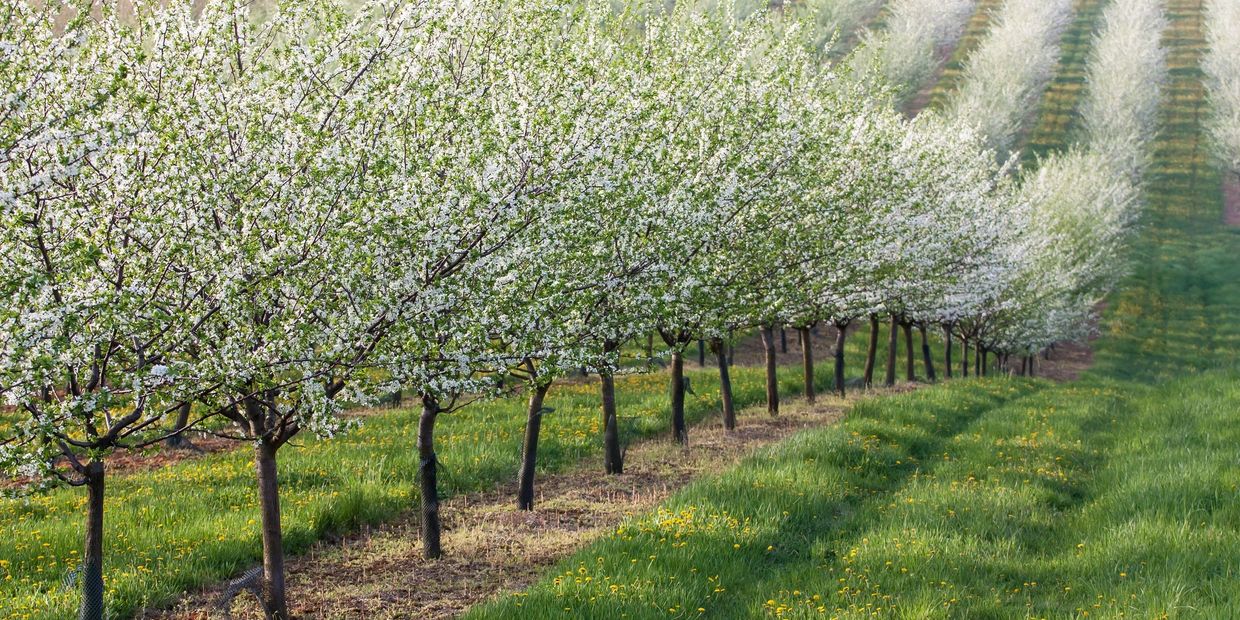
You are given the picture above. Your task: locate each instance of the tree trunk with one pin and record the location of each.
(701, 353)
(964, 357)
(178, 440)
(783, 340)
(977, 359)
(910, 366)
(679, 430)
(772, 380)
(1033, 365)
(947, 350)
(871, 353)
(529, 451)
(649, 349)
(1024, 365)
(925, 354)
(983, 356)
(841, 334)
(725, 384)
(274, 605)
(893, 343)
(428, 466)
(613, 458)
(92, 561)
(807, 358)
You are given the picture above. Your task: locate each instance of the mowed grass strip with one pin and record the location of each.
(976, 499)
(1056, 125)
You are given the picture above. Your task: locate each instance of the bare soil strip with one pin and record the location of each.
(491, 547)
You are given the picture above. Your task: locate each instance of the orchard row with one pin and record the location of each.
(244, 219)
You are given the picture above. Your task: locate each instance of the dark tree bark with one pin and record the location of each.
(893, 344)
(983, 356)
(977, 359)
(725, 384)
(872, 352)
(529, 450)
(947, 349)
(679, 429)
(92, 563)
(807, 359)
(910, 366)
(1033, 365)
(274, 605)
(964, 357)
(428, 471)
(783, 340)
(649, 349)
(925, 354)
(772, 380)
(841, 335)
(701, 353)
(178, 439)
(613, 458)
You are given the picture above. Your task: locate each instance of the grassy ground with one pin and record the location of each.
(977, 499)
(194, 523)
(1110, 497)
(1057, 123)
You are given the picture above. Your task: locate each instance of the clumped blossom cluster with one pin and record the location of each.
(263, 216)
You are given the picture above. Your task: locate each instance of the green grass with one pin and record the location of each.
(1113, 496)
(1057, 124)
(975, 499)
(194, 523)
